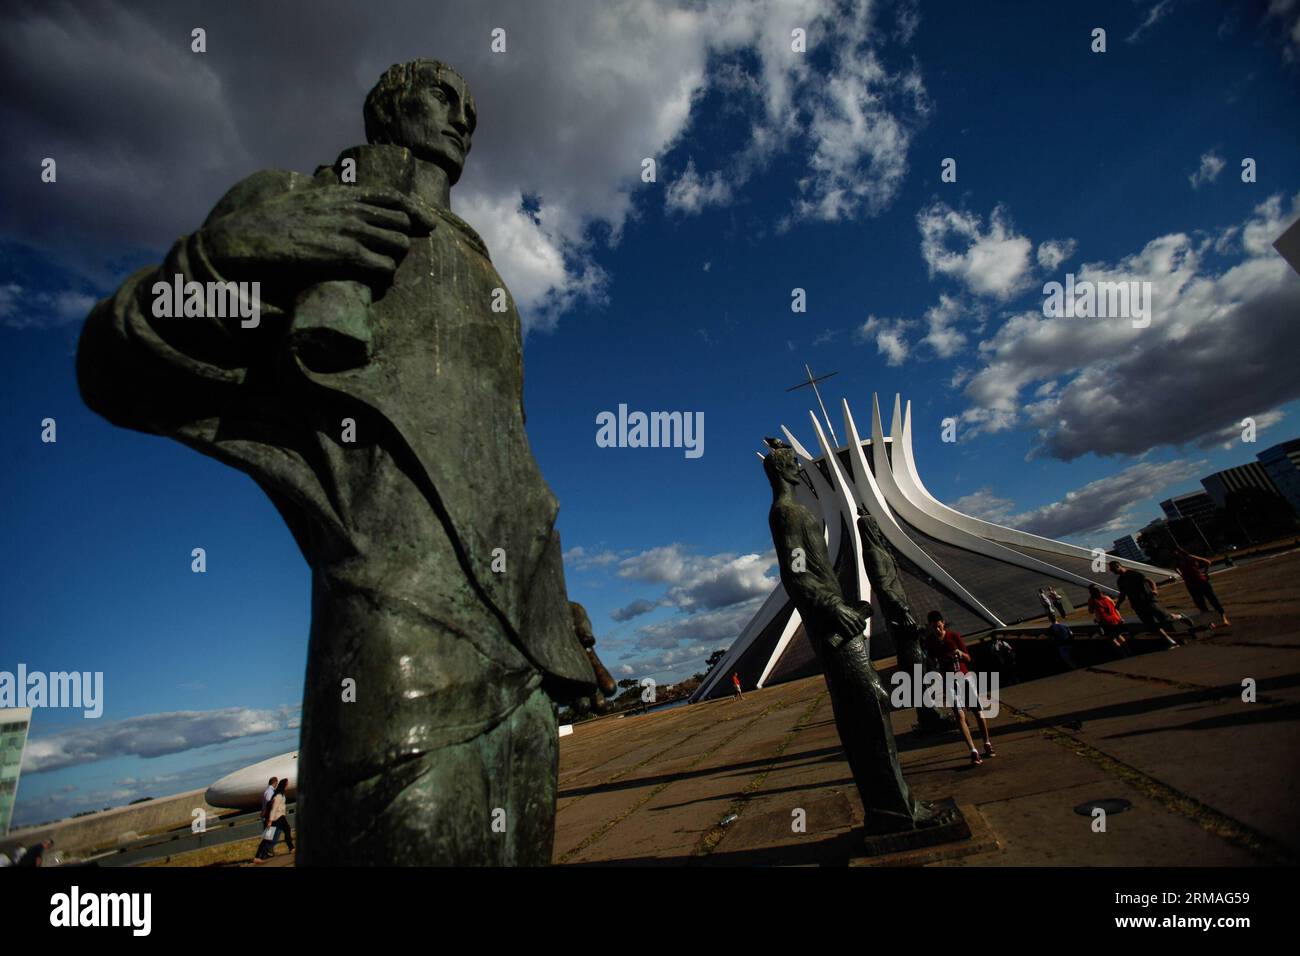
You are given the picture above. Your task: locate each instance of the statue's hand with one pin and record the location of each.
(849, 622)
(327, 232)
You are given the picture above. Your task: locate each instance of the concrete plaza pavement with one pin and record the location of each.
(1211, 778)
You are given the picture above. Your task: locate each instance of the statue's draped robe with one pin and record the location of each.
(449, 752)
(858, 700)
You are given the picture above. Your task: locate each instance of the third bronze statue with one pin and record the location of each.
(378, 401)
(835, 629)
(891, 599)
(605, 685)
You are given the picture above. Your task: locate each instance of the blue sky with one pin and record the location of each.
(775, 171)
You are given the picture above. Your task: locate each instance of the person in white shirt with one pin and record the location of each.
(267, 794)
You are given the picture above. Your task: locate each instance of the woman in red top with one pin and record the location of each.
(949, 650)
(1107, 615)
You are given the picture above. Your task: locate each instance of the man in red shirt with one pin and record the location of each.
(735, 680)
(1196, 575)
(949, 650)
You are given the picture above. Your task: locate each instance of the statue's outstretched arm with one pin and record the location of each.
(143, 370)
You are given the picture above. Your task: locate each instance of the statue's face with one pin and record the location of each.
(783, 462)
(435, 123)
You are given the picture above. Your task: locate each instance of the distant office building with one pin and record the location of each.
(14, 722)
(1282, 462)
(1250, 475)
(1196, 505)
(1127, 548)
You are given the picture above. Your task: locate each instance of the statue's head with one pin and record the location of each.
(779, 464)
(587, 638)
(425, 106)
(582, 625)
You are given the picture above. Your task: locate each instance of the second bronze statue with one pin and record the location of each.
(836, 631)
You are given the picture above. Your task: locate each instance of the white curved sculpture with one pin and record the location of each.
(947, 531)
(910, 484)
(243, 789)
(877, 506)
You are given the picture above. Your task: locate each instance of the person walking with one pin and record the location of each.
(1141, 592)
(1063, 638)
(1108, 618)
(278, 817)
(735, 683)
(1058, 603)
(1005, 655)
(949, 650)
(1196, 575)
(267, 794)
(1044, 600)
(35, 855)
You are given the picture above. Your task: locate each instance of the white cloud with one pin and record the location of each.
(700, 582)
(687, 634)
(150, 735)
(691, 193)
(587, 90)
(1052, 253)
(1211, 166)
(889, 336)
(582, 559)
(1220, 347)
(1284, 10)
(635, 609)
(1229, 436)
(985, 504)
(941, 319)
(852, 124)
(992, 263)
(1108, 505)
(542, 276)
(9, 295)
(23, 310)
(1155, 14)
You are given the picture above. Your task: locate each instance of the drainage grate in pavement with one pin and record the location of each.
(1109, 804)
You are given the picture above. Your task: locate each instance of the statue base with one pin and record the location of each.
(950, 831)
